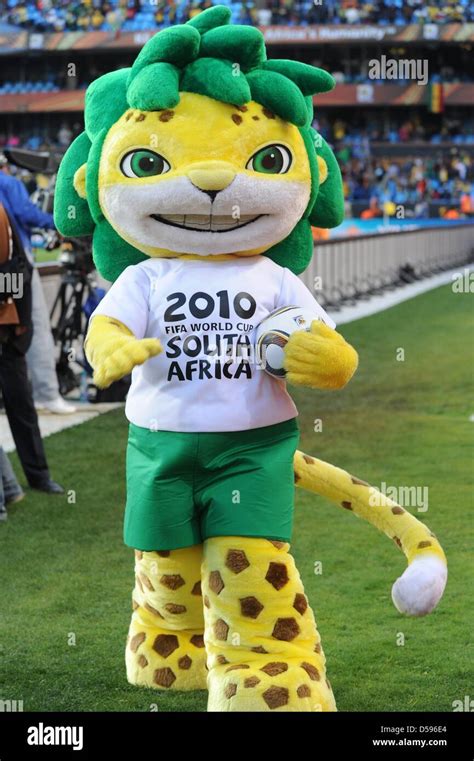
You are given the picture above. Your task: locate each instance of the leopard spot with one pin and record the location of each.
(311, 670)
(237, 666)
(278, 545)
(250, 607)
(236, 561)
(251, 681)
(172, 581)
(216, 583)
(174, 609)
(277, 575)
(275, 697)
(303, 691)
(275, 668)
(164, 677)
(152, 610)
(285, 629)
(230, 691)
(165, 644)
(166, 115)
(146, 582)
(300, 603)
(185, 662)
(221, 630)
(136, 641)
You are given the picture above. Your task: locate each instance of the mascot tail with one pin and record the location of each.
(421, 586)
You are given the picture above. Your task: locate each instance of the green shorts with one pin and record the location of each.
(185, 487)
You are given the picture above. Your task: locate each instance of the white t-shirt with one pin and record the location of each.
(205, 312)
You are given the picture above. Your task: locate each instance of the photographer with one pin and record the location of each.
(41, 355)
(15, 337)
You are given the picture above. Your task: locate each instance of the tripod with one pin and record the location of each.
(68, 320)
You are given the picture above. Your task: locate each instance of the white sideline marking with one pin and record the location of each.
(390, 298)
(54, 423)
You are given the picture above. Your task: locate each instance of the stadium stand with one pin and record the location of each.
(412, 142)
(140, 15)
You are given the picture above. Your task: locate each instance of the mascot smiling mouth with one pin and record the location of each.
(216, 223)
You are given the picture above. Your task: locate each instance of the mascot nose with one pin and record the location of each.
(211, 176)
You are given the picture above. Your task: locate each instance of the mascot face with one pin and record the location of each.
(160, 195)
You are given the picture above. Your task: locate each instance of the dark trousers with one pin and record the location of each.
(21, 413)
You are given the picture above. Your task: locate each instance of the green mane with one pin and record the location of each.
(209, 57)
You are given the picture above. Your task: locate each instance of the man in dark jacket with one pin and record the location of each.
(15, 337)
(41, 363)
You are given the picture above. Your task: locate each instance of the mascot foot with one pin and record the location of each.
(264, 651)
(165, 645)
(269, 684)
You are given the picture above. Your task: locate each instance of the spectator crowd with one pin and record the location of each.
(139, 15)
(413, 181)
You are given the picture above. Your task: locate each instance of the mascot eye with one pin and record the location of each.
(273, 159)
(144, 163)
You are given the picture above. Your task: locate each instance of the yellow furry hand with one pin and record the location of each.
(319, 358)
(113, 351)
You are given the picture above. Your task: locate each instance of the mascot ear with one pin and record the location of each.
(328, 208)
(71, 210)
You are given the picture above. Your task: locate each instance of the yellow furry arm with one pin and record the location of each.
(319, 358)
(421, 586)
(113, 351)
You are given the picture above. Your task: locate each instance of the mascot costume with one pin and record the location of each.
(200, 176)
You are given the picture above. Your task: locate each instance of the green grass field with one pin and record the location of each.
(42, 256)
(66, 579)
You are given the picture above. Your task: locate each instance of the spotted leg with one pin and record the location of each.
(165, 646)
(264, 651)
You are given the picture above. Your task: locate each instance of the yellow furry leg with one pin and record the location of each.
(165, 646)
(264, 651)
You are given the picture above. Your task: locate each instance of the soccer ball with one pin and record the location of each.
(273, 333)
